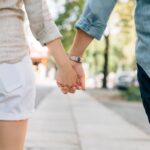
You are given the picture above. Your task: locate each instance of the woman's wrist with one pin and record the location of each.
(65, 65)
(57, 50)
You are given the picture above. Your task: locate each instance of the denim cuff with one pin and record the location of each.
(94, 30)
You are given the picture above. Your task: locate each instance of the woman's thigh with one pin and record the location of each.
(12, 134)
(17, 99)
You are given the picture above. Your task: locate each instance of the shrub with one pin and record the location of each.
(132, 94)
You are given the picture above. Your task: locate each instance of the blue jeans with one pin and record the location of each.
(144, 82)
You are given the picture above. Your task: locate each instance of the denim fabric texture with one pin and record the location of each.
(144, 81)
(94, 21)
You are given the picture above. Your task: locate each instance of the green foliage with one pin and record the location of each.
(67, 19)
(116, 53)
(125, 22)
(94, 56)
(125, 39)
(132, 94)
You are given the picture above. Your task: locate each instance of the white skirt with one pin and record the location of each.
(17, 90)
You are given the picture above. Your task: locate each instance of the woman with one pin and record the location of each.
(17, 85)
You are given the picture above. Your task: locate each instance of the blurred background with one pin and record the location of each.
(110, 65)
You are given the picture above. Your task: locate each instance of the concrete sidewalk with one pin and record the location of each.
(79, 122)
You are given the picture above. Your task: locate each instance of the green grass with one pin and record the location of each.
(132, 94)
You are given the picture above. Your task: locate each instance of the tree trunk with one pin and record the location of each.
(106, 56)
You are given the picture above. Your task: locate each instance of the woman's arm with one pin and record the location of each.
(66, 76)
(46, 32)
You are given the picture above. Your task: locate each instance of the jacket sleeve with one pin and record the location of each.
(41, 23)
(95, 16)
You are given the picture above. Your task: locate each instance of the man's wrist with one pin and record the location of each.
(76, 53)
(74, 64)
(75, 58)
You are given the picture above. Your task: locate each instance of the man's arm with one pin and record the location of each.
(81, 41)
(95, 16)
(91, 24)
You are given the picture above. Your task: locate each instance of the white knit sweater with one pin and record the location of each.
(13, 44)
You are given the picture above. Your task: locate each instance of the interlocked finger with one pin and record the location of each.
(66, 89)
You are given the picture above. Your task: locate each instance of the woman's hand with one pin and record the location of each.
(66, 76)
(67, 79)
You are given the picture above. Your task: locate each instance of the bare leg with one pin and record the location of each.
(12, 134)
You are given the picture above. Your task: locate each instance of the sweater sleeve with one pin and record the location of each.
(42, 25)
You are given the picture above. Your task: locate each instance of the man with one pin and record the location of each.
(92, 24)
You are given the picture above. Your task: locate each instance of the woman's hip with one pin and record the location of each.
(17, 89)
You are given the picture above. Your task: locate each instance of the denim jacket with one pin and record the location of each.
(94, 20)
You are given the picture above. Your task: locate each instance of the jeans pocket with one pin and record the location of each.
(10, 78)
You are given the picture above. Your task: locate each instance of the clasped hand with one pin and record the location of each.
(71, 77)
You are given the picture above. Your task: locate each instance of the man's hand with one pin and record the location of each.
(78, 68)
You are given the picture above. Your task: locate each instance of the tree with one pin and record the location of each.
(67, 19)
(126, 26)
(106, 61)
